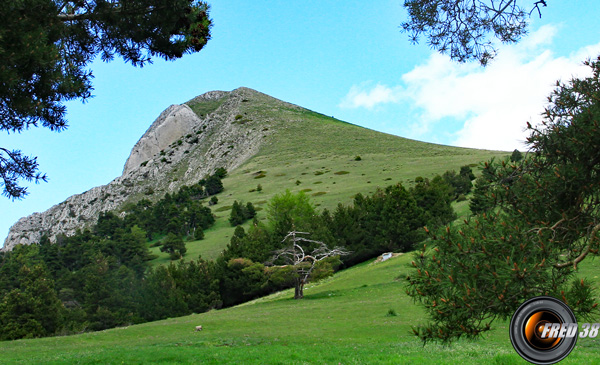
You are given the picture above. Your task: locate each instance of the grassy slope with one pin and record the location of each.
(311, 148)
(341, 320)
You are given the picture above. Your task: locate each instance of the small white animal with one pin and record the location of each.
(198, 328)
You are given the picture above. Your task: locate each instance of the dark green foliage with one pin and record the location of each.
(220, 173)
(257, 244)
(434, 197)
(541, 221)
(461, 183)
(46, 46)
(214, 200)
(516, 156)
(237, 214)
(465, 29)
(357, 158)
(213, 185)
(259, 188)
(173, 245)
(32, 308)
(108, 224)
(179, 289)
(466, 171)
(389, 220)
(240, 213)
(99, 278)
(199, 234)
(250, 211)
(241, 280)
(483, 200)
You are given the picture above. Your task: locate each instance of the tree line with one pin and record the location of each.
(101, 278)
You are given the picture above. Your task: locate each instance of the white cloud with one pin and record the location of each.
(380, 94)
(494, 102)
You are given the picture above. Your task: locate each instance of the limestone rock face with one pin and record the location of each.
(183, 145)
(172, 124)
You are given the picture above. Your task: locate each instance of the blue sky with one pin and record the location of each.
(346, 59)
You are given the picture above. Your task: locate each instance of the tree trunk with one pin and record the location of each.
(298, 289)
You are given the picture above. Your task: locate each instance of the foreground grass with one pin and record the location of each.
(343, 319)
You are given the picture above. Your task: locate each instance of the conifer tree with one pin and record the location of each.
(45, 49)
(543, 222)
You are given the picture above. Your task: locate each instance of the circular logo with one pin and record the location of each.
(543, 330)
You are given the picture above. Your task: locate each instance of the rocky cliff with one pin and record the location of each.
(184, 144)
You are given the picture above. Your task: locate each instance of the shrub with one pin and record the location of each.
(357, 158)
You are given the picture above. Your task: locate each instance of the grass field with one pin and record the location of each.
(314, 153)
(342, 320)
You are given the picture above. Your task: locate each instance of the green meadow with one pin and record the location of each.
(358, 316)
(329, 160)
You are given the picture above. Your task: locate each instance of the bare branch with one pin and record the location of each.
(585, 252)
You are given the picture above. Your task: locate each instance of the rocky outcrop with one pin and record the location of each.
(172, 124)
(184, 144)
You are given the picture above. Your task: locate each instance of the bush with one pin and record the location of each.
(174, 245)
(357, 158)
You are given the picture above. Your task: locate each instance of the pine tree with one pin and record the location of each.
(174, 246)
(237, 215)
(543, 222)
(47, 46)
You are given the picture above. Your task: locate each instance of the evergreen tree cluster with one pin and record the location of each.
(100, 278)
(181, 213)
(392, 219)
(241, 213)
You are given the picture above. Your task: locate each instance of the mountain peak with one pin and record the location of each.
(185, 143)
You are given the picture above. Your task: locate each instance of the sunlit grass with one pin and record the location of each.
(343, 319)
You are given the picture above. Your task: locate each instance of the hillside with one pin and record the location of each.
(259, 140)
(344, 319)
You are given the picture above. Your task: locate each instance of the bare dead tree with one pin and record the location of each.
(294, 254)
